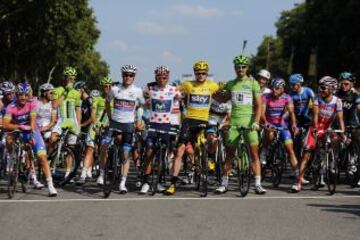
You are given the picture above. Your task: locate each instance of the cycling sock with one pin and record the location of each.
(174, 180)
(225, 181)
(83, 172)
(257, 180)
(123, 178)
(49, 180)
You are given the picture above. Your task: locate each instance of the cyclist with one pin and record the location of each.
(46, 115)
(330, 107)
(21, 115)
(351, 106)
(8, 90)
(161, 97)
(67, 101)
(263, 77)
(99, 119)
(246, 110)
(198, 94)
(218, 119)
(275, 105)
(127, 111)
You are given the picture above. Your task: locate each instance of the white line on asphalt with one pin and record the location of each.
(52, 200)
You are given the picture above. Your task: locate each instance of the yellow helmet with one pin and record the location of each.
(201, 66)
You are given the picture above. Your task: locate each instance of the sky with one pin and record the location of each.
(178, 33)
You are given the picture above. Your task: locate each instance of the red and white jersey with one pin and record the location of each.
(328, 111)
(162, 103)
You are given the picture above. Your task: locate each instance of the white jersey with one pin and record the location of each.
(162, 103)
(126, 101)
(218, 111)
(43, 113)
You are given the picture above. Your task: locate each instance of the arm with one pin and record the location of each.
(257, 108)
(78, 114)
(108, 108)
(290, 109)
(10, 126)
(52, 122)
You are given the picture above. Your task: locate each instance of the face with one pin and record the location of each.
(162, 80)
(262, 82)
(241, 70)
(9, 96)
(69, 79)
(106, 89)
(22, 98)
(278, 91)
(48, 94)
(201, 76)
(295, 87)
(346, 85)
(128, 78)
(325, 91)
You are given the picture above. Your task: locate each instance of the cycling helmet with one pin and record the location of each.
(70, 71)
(95, 93)
(175, 83)
(264, 73)
(7, 87)
(79, 85)
(278, 83)
(23, 88)
(106, 80)
(329, 82)
(46, 87)
(1, 94)
(241, 60)
(128, 69)
(347, 76)
(201, 66)
(162, 70)
(296, 78)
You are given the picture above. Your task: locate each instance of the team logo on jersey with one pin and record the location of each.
(124, 105)
(161, 106)
(199, 100)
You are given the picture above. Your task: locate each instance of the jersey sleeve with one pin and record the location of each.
(339, 107)
(8, 112)
(141, 99)
(110, 95)
(58, 92)
(33, 109)
(185, 87)
(215, 87)
(256, 88)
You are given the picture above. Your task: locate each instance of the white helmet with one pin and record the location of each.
(46, 87)
(128, 69)
(264, 73)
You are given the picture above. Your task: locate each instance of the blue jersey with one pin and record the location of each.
(302, 104)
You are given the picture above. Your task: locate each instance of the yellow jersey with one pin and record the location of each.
(198, 98)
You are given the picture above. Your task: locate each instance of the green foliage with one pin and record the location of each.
(330, 26)
(37, 36)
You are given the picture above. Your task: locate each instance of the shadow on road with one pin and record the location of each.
(341, 208)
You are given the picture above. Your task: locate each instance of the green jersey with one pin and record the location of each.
(99, 105)
(243, 92)
(71, 101)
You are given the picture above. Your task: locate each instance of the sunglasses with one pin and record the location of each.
(345, 84)
(278, 88)
(323, 88)
(51, 92)
(128, 75)
(241, 66)
(201, 73)
(162, 78)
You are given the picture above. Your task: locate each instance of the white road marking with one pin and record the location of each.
(54, 200)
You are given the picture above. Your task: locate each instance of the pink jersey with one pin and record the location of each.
(162, 103)
(328, 111)
(20, 115)
(276, 108)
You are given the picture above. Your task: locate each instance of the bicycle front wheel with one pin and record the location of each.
(243, 169)
(331, 171)
(110, 171)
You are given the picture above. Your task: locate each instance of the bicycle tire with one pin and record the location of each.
(12, 177)
(354, 152)
(277, 165)
(57, 165)
(219, 161)
(111, 171)
(315, 172)
(331, 171)
(243, 170)
(204, 173)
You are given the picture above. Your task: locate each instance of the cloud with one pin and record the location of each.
(170, 57)
(153, 28)
(120, 45)
(197, 11)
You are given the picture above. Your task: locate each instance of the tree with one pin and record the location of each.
(40, 36)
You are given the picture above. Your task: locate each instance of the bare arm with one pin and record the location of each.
(258, 108)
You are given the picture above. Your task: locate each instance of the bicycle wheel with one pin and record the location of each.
(157, 170)
(278, 165)
(204, 173)
(331, 171)
(110, 171)
(12, 176)
(243, 170)
(63, 165)
(315, 171)
(220, 158)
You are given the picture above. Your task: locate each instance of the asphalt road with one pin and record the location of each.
(82, 213)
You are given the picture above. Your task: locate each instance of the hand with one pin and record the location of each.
(255, 126)
(295, 130)
(139, 125)
(25, 127)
